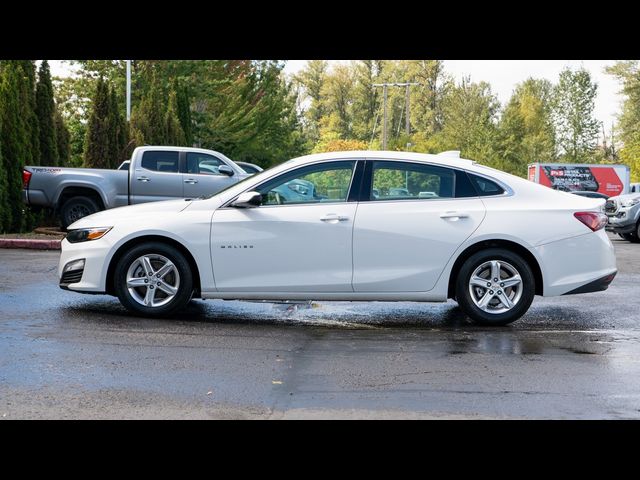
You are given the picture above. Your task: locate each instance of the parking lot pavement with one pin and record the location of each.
(66, 355)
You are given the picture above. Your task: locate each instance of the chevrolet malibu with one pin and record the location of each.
(372, 226)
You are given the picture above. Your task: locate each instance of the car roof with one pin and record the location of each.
(450, 158)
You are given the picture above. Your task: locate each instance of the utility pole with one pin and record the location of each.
(384, 118)
(128, 90)
(407, 117)
(384, 107)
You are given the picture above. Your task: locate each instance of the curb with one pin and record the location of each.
(30, 243)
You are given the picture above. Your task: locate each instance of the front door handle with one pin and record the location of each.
(144, 179)
(454, 215)
(191, 181)
(333, 218)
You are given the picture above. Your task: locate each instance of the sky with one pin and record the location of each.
(503, 75)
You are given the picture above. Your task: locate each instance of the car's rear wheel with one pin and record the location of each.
(153, 279)
(495, 287)
(76, 208)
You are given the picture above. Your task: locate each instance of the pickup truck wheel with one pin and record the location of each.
(632, 237)
(495, 287)
(75, 208)
(153, 280)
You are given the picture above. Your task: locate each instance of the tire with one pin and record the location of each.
(75, 208)
(495, 312)
(632, 237)
(153, 299)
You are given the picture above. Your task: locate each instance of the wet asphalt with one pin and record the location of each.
(67, 355)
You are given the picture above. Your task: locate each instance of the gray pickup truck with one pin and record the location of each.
(153, 174)
(624, 216)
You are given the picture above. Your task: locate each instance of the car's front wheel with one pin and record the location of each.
(631, 237)
(495, 287)
(153, 279)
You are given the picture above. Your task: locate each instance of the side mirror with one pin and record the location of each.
(248, 200)
(226, 170)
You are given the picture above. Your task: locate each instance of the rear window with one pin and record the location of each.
(485, 187)
(160, 161)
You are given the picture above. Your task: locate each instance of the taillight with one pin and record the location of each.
(594, 220)
(26, 178)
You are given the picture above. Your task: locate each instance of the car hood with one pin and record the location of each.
(108, 218)
(626, 196)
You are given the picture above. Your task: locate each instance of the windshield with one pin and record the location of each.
(233, 185)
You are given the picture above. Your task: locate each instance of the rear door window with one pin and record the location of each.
(410, 181)
(160, 161)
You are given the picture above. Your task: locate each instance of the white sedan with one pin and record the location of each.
(385, 226)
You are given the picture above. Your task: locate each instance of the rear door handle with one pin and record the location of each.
(333, 218)
(454, 215)
(144, 179)
(191, 181)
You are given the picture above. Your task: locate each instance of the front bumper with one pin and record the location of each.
(622, 222)
(93, 277)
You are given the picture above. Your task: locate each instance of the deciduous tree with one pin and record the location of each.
(576, 127)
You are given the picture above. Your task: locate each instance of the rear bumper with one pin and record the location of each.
(573, 263)
(598, 285)
(35, 197)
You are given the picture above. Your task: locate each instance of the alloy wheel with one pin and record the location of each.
(153, 280)
(495, 286)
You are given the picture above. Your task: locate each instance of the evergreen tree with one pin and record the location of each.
(28, 111)
(174, 135)
(62, 139)
(3, 174)
(118, 134)
(15, 142)
(183, 110)
(113, 127)
(97, 141)
(576, 128)
(149, 116)
(45, 112)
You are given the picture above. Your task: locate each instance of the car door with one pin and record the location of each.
(156, 177)
(202, 176)
(298, 240)
(410, 225)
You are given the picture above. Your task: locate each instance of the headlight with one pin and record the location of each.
(86, 234)
(630, 202)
